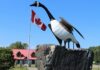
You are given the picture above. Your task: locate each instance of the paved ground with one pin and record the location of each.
(31, 68)
(96, 67)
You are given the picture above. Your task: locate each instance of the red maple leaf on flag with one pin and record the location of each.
(38, 21)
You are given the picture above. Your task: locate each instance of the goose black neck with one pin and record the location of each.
(47, 11)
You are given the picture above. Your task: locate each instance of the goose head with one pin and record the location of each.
(36, 4)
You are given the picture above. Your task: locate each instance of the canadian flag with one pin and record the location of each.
(37, 20)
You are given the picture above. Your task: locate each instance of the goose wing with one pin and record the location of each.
(69, 27)
(66, 25)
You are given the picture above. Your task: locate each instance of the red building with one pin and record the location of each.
(24, 55)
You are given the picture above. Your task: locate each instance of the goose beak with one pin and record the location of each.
(32, 5)
(35, 4)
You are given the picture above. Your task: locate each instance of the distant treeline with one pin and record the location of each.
(96, 50)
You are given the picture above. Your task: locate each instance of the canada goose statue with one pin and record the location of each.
(63, 31)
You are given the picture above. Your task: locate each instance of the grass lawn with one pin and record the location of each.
(17, 67)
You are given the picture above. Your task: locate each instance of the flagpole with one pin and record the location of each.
(29, 42)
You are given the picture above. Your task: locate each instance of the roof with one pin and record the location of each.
(25, 54)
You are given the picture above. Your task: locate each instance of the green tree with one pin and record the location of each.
(18, 45)
(6, 59)
(96, 50)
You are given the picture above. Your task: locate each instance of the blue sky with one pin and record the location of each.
(15, 18)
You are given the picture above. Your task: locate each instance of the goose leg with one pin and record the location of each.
(68, 44)
(65, 43)
(73, 45)
(59, 40)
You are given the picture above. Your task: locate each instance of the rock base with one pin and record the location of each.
(66, 59)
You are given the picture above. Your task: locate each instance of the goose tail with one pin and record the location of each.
(78, 32)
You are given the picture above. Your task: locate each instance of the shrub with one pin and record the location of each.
(6, 59)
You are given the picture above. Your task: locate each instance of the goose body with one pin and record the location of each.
(62, 30)
(62, 33)
(59, 30)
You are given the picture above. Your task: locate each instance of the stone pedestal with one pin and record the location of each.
(67, 59)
